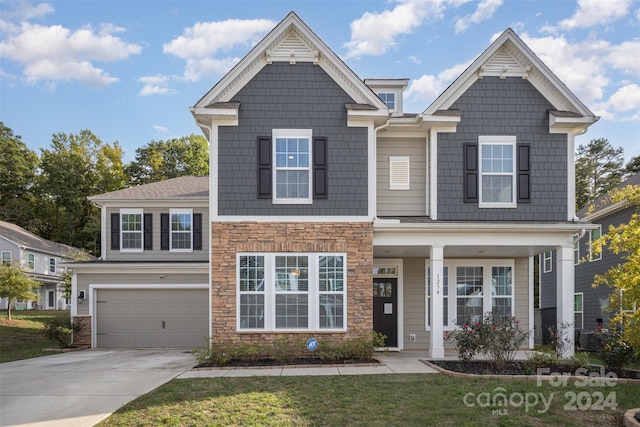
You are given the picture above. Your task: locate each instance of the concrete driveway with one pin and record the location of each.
(82, 388)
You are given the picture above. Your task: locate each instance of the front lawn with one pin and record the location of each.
(21, 337)
(375, 400)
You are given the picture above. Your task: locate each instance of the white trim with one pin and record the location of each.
(180, 211)
(166, 268)
(285, 134)
(272, 218)
(531, 308)
(399, 263)
(372, 152)
(581, 311)
(571, 178)
(213, 172)
(497, 140)
(129, 211)
(545, 259)
(34, 261)
(103, 233)
(10, 256)
(591, 258)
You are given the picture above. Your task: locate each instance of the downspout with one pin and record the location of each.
(375, 161)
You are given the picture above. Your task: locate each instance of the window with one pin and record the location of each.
(501, 290)
(594, 235)
(445, 297)
(181, 230)
(547, 262)
(6, 257)
(31, 261)
(578, 310)
(389, 99)
(497, 166)
(576, 249)
(52, 265)
(292, 152)
(469, 295)
(399, 173)
(292, 291)
(131, 229)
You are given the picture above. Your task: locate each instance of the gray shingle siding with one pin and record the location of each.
(511, 106)
(548, 282)
(299, 96)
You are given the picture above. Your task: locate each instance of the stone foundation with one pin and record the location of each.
(227, 239)
(83, 336)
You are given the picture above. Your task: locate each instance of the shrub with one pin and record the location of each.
(284, 351)
(560, 340)
(497, 338)
(541, 359)
(214, 352)
(614, 351)
(61, 330)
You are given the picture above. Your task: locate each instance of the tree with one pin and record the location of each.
(599, 169)
(624, 278)
(18, 167)
(16, 285)
(633, 166)
(160, 160)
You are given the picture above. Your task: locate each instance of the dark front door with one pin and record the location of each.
(385, 309)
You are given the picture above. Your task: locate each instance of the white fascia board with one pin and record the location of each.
(153, 203)
(488, 239)
(392, 226)
(575, 125)
(127, 268)
(607, 210)
(149, 286)
(293, 219)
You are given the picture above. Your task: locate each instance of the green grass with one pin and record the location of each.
(21, 337)
(369, 400)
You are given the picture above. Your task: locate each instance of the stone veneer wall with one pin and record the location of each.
(82, 337)
(227, 239)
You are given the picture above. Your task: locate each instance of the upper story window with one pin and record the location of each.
(31, 261)
(131, 230)
(547, 262)
(594, 235)
(52, 265)
(389, 98)
(6, 257)
(292, 159)
(181, 230)
(497, 171)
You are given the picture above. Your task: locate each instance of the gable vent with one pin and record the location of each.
(399, 173)
(292, 49)
(502, 64)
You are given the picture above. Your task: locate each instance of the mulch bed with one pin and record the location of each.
(519, 368)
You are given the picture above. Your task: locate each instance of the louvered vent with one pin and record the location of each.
(292, 49)
(399, 173)
(502, 64)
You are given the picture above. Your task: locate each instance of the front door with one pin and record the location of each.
(50, 299)
(385, 309)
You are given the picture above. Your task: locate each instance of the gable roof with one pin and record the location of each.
(509, 56)
(290, 41)
(181, 188)
(30, 241)
(603, 206)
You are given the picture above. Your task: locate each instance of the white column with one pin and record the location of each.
(565, 290)
(436, 345)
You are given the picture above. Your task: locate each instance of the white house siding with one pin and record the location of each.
(414, 300)
(410, 202)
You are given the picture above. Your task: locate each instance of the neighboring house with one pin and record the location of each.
(40, 258)
(150, 287)
(590, 304)
(334, 212)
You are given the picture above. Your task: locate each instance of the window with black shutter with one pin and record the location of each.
(524, 173)
(320, 190)
(470, 172)
(148, 231)
(197, 231)
(115, 231)
(164, 231)
(264, 167)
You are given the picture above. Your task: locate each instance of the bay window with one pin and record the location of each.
(291, 291)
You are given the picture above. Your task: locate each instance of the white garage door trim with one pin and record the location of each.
(93, 301)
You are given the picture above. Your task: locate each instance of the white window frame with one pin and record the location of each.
(581, 311)
(576, 249)
(141, 232)
(547, 257)
(173, 212)
(487, 297)
(52, 265)
(384, 96)
(399, 173)
(292, 133)
(591, 240)
(270, 291)
(31, 261)
(5, 259)
(497, 140)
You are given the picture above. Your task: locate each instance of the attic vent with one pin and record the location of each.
(502, 64)
(399, 173)
(292, 49)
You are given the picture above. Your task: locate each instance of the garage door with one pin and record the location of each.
(157, 318)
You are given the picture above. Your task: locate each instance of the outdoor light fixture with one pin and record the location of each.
(81, 296)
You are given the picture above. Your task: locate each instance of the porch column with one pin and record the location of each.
(564, 293)
(436, 345)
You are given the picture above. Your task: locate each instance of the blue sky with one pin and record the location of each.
(129, 70)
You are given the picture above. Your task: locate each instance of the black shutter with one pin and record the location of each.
(470, 172)
(264, 168)
(320, 190)
(115, 231)
(164, 231)
(524, 173)
(197, 231)
(148, 231)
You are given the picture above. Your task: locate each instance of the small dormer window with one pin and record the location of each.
(389, 99)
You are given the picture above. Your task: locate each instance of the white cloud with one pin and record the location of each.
(426, 89)
(161, 131)
(198, 44)
(623, 105)
(485, 10)
(415, 59)
(375, 33)
(23, 10)
(155, 85)
(595, 12)
(625, 57)
(55, 53)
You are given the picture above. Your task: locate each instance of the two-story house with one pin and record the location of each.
(150, 287)
(42, 259)
(591, 305)
(334, 212)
